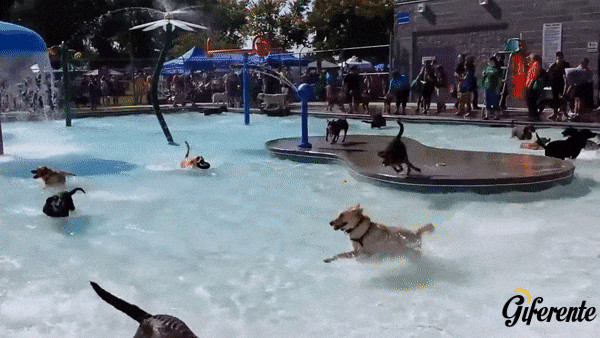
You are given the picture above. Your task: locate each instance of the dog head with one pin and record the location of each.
(570, 132)
(529, 129)
(348, 219)
(41, 171)
(587, 134)
(261, 96)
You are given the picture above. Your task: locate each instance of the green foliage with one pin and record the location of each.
(349, 23)
(283, 21)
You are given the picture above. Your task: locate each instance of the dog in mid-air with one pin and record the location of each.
(571, 147)
(51, 176)
(395, 154)
(372, 240)
(334, 127)
(61, 204)
(151, 326)
(193, 162)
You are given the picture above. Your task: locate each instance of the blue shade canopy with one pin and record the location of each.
(17, 40)
(285, 59)
(196, 59)
(20, 49)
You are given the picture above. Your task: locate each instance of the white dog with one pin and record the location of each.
(220, 97)
(270, 100)
(370, 239)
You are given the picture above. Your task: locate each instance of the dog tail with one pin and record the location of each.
(426, 228)
(188, 149)
(539, 141)
(129, 309)
(75, 190)
(401, 128)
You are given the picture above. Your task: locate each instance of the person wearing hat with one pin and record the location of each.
(556, 75)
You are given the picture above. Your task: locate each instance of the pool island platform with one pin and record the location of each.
(442, 170)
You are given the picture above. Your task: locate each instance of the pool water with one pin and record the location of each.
(237, 250)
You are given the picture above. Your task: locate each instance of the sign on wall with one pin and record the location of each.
(551, 41)
(592, 46)
(403, 18)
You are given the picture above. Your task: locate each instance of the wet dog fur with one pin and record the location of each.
(61, 204)
(51, 176)
(193, 162)
(395, 154)
(151, 326)
(569, 148)
(523, 132)
(334, 127)
(372, 240)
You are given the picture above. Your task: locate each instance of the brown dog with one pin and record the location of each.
(51, 176)
(370, 239)
(193, 162)
(334, 97)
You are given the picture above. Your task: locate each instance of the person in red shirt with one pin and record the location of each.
(532, 90)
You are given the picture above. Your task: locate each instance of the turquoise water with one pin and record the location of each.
(237, 250)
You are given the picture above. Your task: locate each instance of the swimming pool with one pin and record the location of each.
(238, 250)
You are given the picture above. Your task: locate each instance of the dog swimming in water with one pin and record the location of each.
(151, 326)
(61, 204)
(370, 239)
(51, 176)
(395, 154)
(193, 162)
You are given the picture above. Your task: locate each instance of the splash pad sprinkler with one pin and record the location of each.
(168, 23)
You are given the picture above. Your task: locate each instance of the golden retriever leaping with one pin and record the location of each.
(370, 239)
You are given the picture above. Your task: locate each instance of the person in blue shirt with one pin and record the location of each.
(399, 89)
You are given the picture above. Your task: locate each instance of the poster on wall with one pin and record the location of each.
(551, 41)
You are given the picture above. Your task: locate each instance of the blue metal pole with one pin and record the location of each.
(305, 93)
(67, 88)
(246, 81)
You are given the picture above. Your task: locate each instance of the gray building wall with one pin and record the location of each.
(450, 27)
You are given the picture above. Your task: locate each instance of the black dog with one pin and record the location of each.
(157, 326)
(378, 121)
(569, 148)
(334, 127)
(395, 154)
(60, 204)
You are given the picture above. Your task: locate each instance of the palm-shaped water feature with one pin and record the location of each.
(168, 23)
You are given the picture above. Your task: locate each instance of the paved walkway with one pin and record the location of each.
(513, 116)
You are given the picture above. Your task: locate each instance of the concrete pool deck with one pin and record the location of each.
(441, 169)
(516, 116)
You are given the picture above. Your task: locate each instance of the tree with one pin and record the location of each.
(283, 21)
(350, 23)
(5, 6)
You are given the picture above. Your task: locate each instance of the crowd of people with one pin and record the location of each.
(571, 89)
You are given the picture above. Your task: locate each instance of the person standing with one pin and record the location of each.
(556, 75)
(466, 89)
(399, 89)
(459, 73)
(490, 81)
(427, 78)
(352, 85)
(441, 84)
(533, 86)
